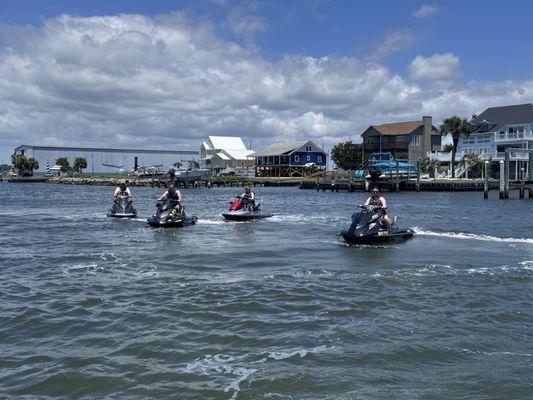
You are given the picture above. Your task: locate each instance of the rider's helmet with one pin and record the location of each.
(247, 189)
(122, 184)
(171, 187)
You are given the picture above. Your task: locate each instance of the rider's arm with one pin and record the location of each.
(251, 196)
(383, 202)
(117, 191)
(179, 194)
(163, 197)
(128, 192)
(367, 202)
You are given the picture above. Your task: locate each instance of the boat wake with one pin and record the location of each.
(473, 236)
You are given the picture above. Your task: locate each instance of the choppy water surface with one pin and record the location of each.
(93, 307)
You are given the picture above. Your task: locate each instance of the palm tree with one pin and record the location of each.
(457, 127)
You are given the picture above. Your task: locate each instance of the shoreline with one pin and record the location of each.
(334, 185)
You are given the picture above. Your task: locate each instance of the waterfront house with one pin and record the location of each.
(226, 154)
(500, 129)
(409, 140)
(289, 159)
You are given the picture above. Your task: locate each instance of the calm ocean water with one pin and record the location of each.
(93, 307)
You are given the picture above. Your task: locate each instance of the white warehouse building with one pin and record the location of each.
(102, 161)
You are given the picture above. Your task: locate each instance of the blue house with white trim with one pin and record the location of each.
(289, 159)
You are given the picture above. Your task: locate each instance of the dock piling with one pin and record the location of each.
(502, 180)
(486, 181)
(507, 172)
(418, 175)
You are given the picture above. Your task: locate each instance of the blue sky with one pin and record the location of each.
(171, 72)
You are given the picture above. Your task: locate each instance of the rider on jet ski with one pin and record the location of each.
(122, 190)
(379, 201)
(248, 197)
(175, 195)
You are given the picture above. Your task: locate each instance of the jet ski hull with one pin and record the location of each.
(121, 215)
(379, 238)
(245, 216)
(122, 208)
(172, 223)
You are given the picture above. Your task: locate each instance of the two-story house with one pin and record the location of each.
(500, 129)
(409, 140)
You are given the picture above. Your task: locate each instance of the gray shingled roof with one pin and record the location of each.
(494, 117)
(517, 114)
(280, 148)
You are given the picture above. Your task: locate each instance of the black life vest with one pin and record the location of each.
(376, 201)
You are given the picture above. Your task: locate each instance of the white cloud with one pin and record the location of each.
(427, 10)
(133, 81)
(395, 41)
(435, 68)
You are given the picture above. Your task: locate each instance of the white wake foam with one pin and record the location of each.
(472, 236)
(221, 364)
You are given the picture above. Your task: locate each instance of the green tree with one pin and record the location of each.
(33, 164)
(79, 164)
(4, 168)
(429, 166)
(24, 165)
(475, 164)
(177, 164)
(64, 164)
(456, 127)
(347, 155)
(447, 148)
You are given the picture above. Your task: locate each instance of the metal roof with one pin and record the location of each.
(280, 148)
(239, 154)
(226, 143)
(106, 150)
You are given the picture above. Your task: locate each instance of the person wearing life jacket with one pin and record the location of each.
(175, 195)
(122, 190)
(248, 197)
(378, 200)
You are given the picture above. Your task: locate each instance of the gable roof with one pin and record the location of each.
(400, 128)
(286, 148)
(517, 114)
(397, 128)
(280, 148)
(238, 154)
(226, 143)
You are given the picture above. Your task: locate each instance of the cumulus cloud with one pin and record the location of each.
(427, 10)
(395, 41)
(139, 82)
(434, 68)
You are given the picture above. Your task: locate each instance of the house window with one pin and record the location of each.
(516, 129)
(296, 158)
(319, 158)
(469, 140)
(308, 148)
(415, 141)
(483, 139)
(308, 158)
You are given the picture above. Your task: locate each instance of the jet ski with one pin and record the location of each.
(122, 208)
(238, 211)
(166, 217)
(367, 228)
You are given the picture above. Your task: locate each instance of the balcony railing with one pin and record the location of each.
(514, 155)
(505, 137)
